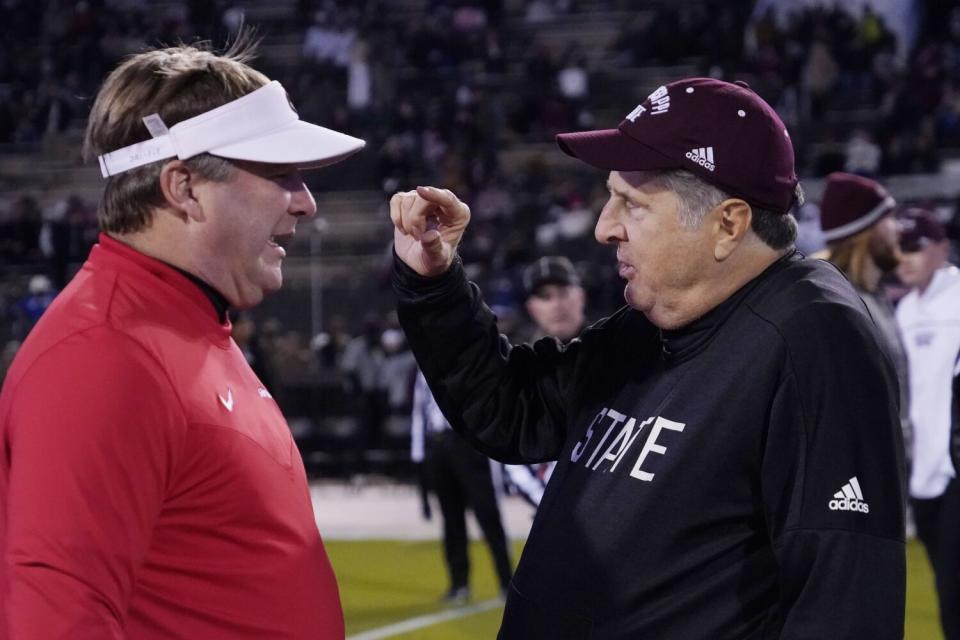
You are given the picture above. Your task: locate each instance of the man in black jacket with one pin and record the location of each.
(728, 444)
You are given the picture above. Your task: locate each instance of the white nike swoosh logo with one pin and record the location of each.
(228, 403)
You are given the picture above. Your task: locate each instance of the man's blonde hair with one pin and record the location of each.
(851, 255)
(177, 83)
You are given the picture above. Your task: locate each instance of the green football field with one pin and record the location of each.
(384, 584)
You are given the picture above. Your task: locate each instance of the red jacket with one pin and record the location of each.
(149, 485)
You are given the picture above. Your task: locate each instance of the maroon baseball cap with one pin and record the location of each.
(851, 204)
(721, 131)
(921, 228)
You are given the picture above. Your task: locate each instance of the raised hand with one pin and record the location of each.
(428, 225)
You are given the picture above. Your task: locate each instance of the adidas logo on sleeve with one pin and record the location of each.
(849, 498)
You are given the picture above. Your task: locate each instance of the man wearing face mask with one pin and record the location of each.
(730, 462)
(863, 236)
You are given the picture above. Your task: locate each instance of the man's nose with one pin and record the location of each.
(302, 203)
(608, 229)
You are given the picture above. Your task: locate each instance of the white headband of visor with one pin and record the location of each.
(261, 126)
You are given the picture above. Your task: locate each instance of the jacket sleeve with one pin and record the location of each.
(93, 433)
(509, 401)
(832, 487)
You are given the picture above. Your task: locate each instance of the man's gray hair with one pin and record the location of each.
(696, 198)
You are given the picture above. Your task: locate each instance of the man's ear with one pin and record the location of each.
(177, 183)
(733, 219)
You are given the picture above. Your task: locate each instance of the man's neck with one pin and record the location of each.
(220, 303)
(153, 246)
(923, 286)
(708, 294)
(143, 244)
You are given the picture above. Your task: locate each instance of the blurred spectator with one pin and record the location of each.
(292, 358)
(540, 11)
(359, 81)
(469, 18)
(573, 82)
(554, 299)
(233, 19)
(29, 308)
(494, 201)
(362, 363)
(572, 79)
(396, 380)
(54, 238)
(21, 231)
(327, 41)
(929, 316)
(567, 221)
(329, 345)
(863, 155)
(819, 76)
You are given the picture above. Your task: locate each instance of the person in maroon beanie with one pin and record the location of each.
(149, 484)
(730, 463)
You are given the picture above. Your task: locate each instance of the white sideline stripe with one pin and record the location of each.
(427, 620)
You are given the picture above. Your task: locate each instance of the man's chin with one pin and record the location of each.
(274, 285)
(271, 282)
(272, 274)
(908, 281)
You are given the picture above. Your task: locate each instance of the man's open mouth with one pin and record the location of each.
(281, 239)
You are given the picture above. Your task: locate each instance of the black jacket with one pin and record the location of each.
(739, 478)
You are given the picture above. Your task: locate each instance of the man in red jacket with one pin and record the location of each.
(149, 485)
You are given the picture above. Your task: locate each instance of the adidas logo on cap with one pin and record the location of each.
(703, 157)
(849, 498)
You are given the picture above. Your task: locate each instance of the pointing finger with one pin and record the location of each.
(448, 206)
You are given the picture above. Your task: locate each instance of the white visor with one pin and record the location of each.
(261, 126)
